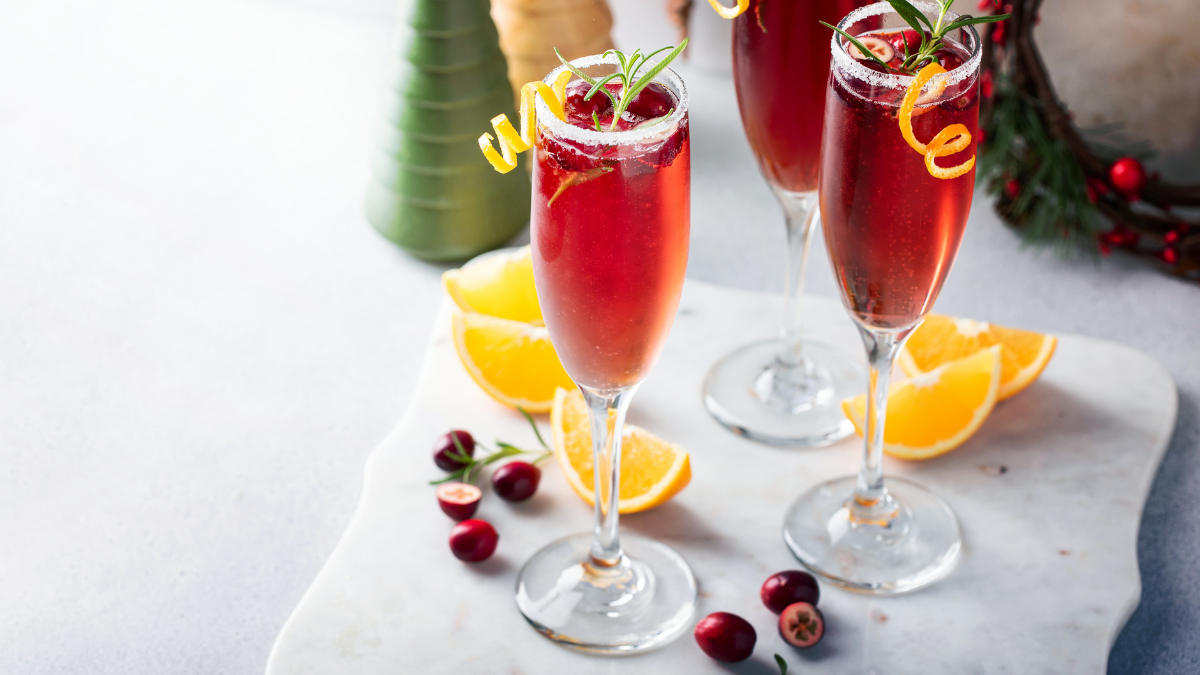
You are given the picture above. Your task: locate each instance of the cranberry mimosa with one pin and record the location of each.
(897, 174)
(609, 227)
(891, 228)
(785, 391)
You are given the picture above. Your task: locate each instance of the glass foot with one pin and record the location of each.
(920, 545)
(749, 393)
(644, 602)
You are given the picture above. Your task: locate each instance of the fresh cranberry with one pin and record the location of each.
(444, 447)
(458, 500)
(785, 588)
(516, 481)
(575, 105)
(909, 38)
(949, 59)
(654, 100)
(726, 637)
(802, 625)
(473, 540)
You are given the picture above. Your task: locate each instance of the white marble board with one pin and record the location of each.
(1048, 577)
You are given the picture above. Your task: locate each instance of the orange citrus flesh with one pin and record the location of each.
(730, 12)
(1023, 354)
(497, 284)
(948, 141)
(512, 361)
(652, 470)
(512, 143)
(934, 413)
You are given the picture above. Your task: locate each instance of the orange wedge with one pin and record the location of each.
(512, 361)
(652, 470)
(497, 284)
(934, 413)
(1023, 354)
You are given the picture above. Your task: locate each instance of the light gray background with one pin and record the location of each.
(201, 339)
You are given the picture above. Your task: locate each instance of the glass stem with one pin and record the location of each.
(606, 412)
(800, 211)
(872, 503)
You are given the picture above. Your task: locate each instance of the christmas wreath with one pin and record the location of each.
(1062, 187)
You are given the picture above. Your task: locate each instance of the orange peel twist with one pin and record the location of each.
(940, 146)
(512, 143)
(948, 141)
(730, 12)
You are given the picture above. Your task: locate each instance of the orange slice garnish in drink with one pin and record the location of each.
(512, 143)
(730, 12)
(948, 141)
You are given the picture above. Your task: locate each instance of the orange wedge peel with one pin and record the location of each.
(948, 141)
(936, 411)
(941, 339)
(730, 12)
(512, 143)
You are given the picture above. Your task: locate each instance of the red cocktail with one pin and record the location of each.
(893, 209)
(892, 229)
(780, 68)
(785, 392)
(610, 225)
(610, 228)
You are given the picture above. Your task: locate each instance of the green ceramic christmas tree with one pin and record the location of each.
(433, 193)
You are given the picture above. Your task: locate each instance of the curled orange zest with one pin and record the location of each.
(730, 12)
(510, 141)
(937, 148)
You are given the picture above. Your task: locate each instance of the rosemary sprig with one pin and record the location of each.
(468, 473)
(931, 34)
(631, 83)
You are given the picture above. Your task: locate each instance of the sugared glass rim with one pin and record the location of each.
(562, 129)
(843, 60)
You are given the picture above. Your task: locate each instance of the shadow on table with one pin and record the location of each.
(675, 522)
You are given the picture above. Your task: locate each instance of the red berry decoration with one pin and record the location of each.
(516, 481)
(786, 588)
(909, 38)
(458, 500)
(473, 540)
(726, 637)
(445, 448)
(1128, 176)
(802, 625)
(998, 33)
(1012, 188)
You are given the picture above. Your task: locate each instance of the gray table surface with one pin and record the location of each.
(201, 339)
